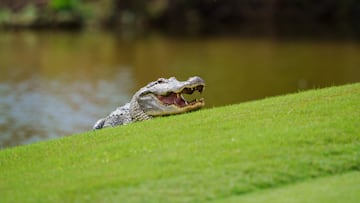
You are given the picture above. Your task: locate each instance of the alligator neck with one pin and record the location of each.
(136, 113)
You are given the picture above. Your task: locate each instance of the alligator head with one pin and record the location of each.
(165, 97)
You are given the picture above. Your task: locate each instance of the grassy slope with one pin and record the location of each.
(215, 154)
(338, 188)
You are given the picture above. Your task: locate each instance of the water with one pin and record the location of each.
(54, 84)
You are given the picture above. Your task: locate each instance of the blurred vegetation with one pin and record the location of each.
(182, 15)
(43, 13)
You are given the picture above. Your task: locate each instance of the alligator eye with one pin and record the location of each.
(160, 80)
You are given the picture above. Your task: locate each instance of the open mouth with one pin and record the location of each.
(177, 98)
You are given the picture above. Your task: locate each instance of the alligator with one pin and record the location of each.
(158, 98)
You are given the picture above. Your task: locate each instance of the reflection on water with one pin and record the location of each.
(37, 108)
(56, 84)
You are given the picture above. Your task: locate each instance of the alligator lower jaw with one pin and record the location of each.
(193, 105)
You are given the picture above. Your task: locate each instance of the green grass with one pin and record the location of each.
(239, 152)
(338, 188)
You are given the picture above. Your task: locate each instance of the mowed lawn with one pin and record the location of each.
(276, 148)
(332, 189)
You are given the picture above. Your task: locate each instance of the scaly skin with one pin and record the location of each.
(159, 98)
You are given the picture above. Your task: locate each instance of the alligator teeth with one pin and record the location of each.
(182, 97)
(200, 88)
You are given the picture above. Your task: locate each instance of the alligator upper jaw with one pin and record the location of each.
(177, 99)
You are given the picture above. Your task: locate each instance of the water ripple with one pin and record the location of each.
(37, 108)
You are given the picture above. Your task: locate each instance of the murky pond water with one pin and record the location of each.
(54, 84)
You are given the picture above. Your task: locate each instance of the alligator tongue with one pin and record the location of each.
(173, 98)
